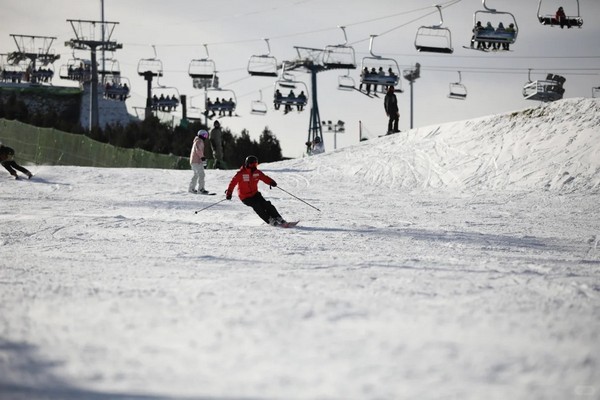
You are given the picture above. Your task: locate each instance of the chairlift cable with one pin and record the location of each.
(444, 5)
(449, 4)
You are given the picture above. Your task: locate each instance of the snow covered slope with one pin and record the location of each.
(458, 261)
(555, 146)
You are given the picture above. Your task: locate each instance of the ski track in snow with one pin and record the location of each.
(458, 261)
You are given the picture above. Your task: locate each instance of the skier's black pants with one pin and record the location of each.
(11, 165)
(262, 207)
(393, 122)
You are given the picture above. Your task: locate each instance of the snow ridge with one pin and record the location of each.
(551, 147)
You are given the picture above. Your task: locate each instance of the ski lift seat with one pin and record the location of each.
(430, 49)
(379, 79)
(262, 65)
(76, 70)
(346, 82)
(222, 106)
(258, 107)
(43, 74)
(202, 69)
(150, 67)
(552, 21)
(12, 76)
(201, 76)
(434, 39)
(459, 96)
(296, 100)
(457, 91)
(494, 36)
(165, 103)
(117, 91)
(340, 56)
(339, 65)
(262, 73)
(543, 90)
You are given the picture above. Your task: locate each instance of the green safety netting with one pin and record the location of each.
(47, 146)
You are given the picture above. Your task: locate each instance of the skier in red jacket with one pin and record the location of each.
(246, 180)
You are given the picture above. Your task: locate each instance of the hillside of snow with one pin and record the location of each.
(555, 146)
(458, 261)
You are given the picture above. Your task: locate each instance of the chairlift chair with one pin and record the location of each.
(458, 91)
(378, 70)
(43, 74)
(165, 98)
(202, 68)
(116, 88)
(150, 66)
(222, 102)
(263, 64)
(548, 16)
(13, 73)
(340, 55)
(290, 93)
(494, 17)
(258, 107)
(435, 38)
(550, 89)
(286, 83)
(109, 66)
(76, 69)
(346, 82)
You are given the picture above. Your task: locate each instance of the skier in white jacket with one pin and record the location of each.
(197, 163)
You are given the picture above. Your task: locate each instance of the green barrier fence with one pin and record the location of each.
(46, 146)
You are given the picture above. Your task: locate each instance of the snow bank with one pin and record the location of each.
(552, 147)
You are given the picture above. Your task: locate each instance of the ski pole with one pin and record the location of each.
(296, 197)
(214, 204)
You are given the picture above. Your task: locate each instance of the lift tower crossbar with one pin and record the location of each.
(93, 35)
(33, 48)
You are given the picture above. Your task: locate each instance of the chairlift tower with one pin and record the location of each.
(412, 75)
(311, 60)
(93, 36)
(33, 48)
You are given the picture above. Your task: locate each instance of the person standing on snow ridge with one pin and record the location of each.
(7, 155)
(197, 163)
(390, 103)
(246, 179)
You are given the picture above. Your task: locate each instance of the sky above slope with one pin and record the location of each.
(234, 31)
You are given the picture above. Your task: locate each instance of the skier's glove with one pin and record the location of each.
(227, 195)
(273, 183)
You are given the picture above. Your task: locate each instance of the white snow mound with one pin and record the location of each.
(555, 147)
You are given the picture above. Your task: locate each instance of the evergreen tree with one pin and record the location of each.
(269, 148)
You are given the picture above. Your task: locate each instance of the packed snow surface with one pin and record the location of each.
(458, 261)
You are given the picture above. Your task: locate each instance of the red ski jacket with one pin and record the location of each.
(246, 180)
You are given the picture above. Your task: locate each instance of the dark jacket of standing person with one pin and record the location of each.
(390, 104)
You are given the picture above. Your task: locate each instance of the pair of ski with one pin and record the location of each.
(287, 224)
(283, 225)
(204, 194)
